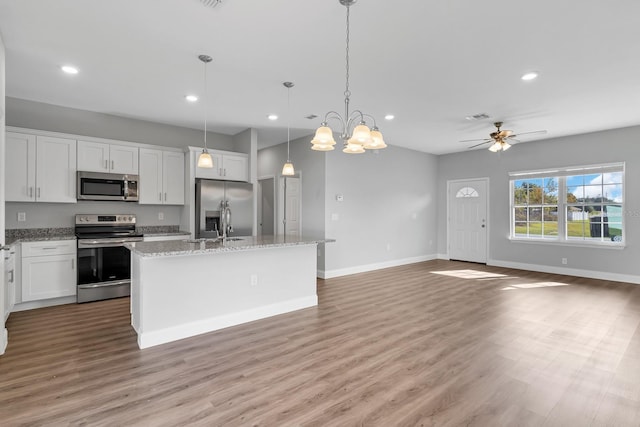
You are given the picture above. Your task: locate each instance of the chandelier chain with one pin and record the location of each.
(347, 92)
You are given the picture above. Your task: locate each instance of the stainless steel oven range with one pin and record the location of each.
(104, 263)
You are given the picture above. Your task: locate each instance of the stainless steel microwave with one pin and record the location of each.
(107, 186)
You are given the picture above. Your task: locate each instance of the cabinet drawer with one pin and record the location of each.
(53, 247)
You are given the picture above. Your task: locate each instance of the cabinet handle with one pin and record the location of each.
(160, 196)
(112, 163)
(49, 249)
(225, 171)
(73, 264)
(106, 164)
(30, 191)
(11, 274)
(38, 192)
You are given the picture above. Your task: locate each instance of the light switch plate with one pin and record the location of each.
(22, 216)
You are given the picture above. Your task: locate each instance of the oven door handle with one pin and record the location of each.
(105, 243)
(104, 285)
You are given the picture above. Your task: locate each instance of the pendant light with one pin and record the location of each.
(204, 159)
(355, 134)
(287, 169)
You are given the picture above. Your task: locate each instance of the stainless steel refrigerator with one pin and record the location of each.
(223, 203)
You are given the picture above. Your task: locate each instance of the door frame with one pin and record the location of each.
(488, 205)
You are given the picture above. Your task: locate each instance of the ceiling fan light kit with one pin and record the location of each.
(355, 134)
(499, 138)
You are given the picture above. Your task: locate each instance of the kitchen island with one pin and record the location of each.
(184, 288)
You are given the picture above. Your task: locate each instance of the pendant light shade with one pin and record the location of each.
(323, 141)
(204, 159)
(287, 169)
(377, 142)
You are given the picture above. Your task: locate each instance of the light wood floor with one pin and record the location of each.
(477, 346)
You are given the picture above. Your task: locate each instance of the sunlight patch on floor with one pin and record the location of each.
(535, 285)
(470, 274)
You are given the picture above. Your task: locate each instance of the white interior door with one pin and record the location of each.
(290, 203)
(468, 223)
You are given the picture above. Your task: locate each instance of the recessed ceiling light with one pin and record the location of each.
(272, 117)
(191, 98)
(389, 117)
(529, 76)
(69, 69)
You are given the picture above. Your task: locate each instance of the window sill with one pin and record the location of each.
(577, 244)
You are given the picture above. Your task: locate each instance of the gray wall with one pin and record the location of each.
(311, 167)
(594, 148)
(44, 215)
(388, 214)
(53, 118)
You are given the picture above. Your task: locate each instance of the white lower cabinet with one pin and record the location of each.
(10, 280)
(48, 269)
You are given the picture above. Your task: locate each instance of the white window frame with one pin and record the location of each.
(561, 175)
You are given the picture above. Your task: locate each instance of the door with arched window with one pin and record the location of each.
(467, 220)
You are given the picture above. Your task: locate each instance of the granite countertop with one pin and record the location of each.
(172, 233)
(196, 247)
(13, 236)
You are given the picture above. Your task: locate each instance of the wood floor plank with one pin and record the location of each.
(436, 343)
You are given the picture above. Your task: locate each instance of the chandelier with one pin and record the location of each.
(354, 132)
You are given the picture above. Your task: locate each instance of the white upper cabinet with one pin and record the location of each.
(107, 158)
(40, 168)
(20, 167)
(161, 177)
(226, 166)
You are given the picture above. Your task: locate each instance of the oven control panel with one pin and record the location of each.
(117, 219)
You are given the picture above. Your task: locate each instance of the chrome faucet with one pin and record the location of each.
(227, 227)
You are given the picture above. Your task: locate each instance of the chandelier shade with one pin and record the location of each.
(354, 132)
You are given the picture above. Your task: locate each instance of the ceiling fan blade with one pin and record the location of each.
(475, 140)
(528, 133)
(482, 143)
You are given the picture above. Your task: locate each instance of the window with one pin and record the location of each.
(577, 205)
(467, 192)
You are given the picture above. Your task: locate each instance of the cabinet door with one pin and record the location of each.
(235, 168)
(48, 277)
(211, 173)
(150, 184)
(20, 173)
(173, 178)
(93, 156)
(123, 159)
(55, 170)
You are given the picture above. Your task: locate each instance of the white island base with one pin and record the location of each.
(179, 296)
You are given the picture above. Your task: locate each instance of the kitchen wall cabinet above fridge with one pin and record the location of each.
(226, 165)
(108, 158)
(40, 169)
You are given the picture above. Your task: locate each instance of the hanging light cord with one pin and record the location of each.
(288, 120)
(205, 104)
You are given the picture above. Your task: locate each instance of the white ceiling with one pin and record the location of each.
(431, 63)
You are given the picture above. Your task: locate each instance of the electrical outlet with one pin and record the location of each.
(161, 216)
(564, 261)
(254, 280)
(22, 216)
(335, 217)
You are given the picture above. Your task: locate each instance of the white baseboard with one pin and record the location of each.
(4, 340)
(601, 275)
(328, 274)
(30, 305)
(443, 256)
(150, 339)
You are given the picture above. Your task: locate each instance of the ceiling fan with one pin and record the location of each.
(500, 138)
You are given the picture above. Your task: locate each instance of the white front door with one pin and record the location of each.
(468, 220)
